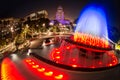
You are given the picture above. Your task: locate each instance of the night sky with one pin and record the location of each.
(72, 8)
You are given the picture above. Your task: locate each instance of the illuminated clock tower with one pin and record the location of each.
(60, 14)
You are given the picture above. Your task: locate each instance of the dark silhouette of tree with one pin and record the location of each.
(113, 33)
(45, 21)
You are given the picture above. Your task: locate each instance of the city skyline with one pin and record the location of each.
(71, 8)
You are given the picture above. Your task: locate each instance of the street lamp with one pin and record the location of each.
(44, 27)
(26, 30)
(51, 24)
(43, 24)
(12, 31)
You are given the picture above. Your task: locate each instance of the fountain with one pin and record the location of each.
(88, 47)
(93, 21)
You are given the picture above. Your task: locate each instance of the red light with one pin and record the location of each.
(59, 77)
(73, 59)
(110, 64)
(92, 66)
(74, 65)
(58, 52)
(86, 51)
(45, 72)
(9, 71)
(35, 66)
(68, 47)
(100, 63)
(32, 63)
(56, 49)
(57, 57)
(114, 61)
(41, 69)
(91, 40)
(50, 73)
(28, 60)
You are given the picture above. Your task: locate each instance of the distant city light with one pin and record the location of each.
(51, 24)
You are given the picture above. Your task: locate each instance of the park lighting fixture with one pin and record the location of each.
(12, 29)
(43, 24)
(45, 72)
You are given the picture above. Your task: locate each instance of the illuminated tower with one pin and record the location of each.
(60, 14)
(60, 17)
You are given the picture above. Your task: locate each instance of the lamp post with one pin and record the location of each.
(26, 30)
(44, 27)
(12, 31)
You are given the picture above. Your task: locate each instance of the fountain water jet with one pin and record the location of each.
(93, 21)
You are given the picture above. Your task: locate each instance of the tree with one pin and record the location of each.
(17, 41)
(45, 21)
